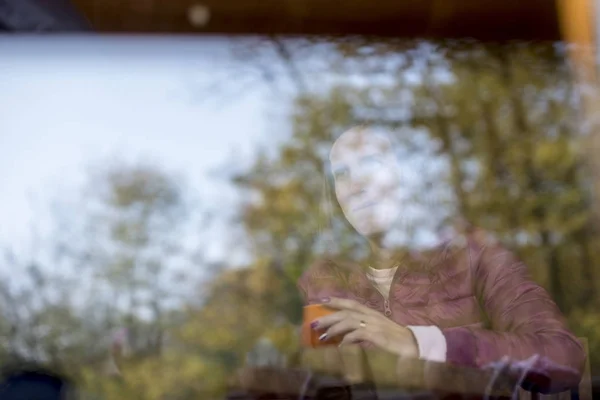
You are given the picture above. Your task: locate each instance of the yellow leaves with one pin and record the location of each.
(130, 185)
(172, 375)
(240, 308)
(285, 337)
(553, 154)
(210, 331)
(586, 323)
(569, 223)
(260, 281)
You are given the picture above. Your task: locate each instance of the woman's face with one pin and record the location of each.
(366, 177)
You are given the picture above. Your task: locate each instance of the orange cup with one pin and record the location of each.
(310, 336)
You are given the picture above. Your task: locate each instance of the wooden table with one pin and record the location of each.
(355, 373)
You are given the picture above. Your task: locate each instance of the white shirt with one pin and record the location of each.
(430, 339)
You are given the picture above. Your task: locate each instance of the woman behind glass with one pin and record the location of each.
(466, 300)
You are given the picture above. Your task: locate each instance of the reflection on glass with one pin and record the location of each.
(177, 191)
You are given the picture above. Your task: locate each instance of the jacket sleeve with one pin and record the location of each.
(322, 279)
(302, 286)
(527, 328)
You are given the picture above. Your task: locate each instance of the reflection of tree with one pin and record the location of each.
(503, 119)
(115, 262)
(135, 231)
(493, 129)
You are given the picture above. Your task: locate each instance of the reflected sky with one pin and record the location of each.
(197, 107)
(68, 103)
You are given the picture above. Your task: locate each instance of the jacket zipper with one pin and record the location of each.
(386, 302)
(387, 310)
(386, 307)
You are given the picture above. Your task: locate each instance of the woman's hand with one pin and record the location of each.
(358, 323)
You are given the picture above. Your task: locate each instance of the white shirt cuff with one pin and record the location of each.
(431, 343)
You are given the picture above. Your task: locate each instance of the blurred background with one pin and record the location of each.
(158, 161)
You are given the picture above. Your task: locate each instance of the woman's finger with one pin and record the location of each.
(356, 336)
(347, 304)
(341, 328)
(329, 320)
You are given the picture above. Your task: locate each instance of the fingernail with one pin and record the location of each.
(325, 300)
(314, 324)
(323, 337)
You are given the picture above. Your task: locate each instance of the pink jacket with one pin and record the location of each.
(482, 299)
